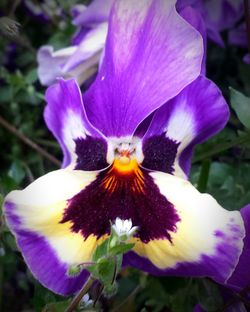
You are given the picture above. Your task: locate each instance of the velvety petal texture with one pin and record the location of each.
(34, 216)
(189, 234)
(208, 239)
(131, 85)
(197, 113)
(66, 118)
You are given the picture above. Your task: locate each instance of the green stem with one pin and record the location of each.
(81, 293)
(223, 147)
(130, 296)
(203, 179)
(4, 123)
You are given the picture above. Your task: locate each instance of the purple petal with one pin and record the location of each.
(34, 215)
(76, 61)
(77, 9)
(214, 35)
(231, 12)
(92, 43)
(238, 36)
(197, 113)
(82, 30)
(47, 267)
(151, 54)
(241, 277)
(246, 59)
(218, 15)
(50, 63)
(198, 308)
(96, 12)
(79, 35)
(194, 18)
(66, 118)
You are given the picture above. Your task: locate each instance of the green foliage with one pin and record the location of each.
(241, 104)
(209, 296)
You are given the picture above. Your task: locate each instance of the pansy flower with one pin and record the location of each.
(218, 15)
(81, 58)
(238, 37)
(127, 145)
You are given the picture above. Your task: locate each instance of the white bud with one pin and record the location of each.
(124, 229)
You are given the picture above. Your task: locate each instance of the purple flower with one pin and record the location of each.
(218, 15)
(238, 37)
(127, 147)
(81, 59)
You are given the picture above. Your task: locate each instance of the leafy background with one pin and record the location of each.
(220, 166)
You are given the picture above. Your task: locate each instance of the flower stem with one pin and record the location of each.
(130, 296)
(73, 305)
(204, 174)
(27, 141)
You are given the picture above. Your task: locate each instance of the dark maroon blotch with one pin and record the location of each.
(91, 210)
(159, 153)
(91, 154)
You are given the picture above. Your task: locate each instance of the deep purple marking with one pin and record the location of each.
(159, 153)
(219, 234)
(93, 208)
(91, 154)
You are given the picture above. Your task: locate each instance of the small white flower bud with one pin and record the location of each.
(124, 229)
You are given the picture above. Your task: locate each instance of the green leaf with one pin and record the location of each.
(241, 104)
(110, 290)
(106, 269)
(56, 306)
(31, 77)
(6, 93)
(74, 270)
(209, 296)
(121, 249)
(17, 172)
(101, 250)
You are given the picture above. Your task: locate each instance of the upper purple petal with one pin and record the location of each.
(151, 54)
